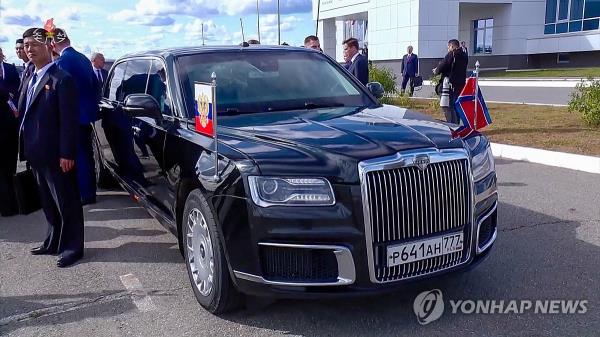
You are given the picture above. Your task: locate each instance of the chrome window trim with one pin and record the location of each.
(346, 269)
(494, 235)
(407, 159)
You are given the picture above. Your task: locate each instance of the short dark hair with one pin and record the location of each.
(61, 32)
(454, 42)
(19, 41)
(310, 38)
(253, 41)
(351, 42)
(29, 32)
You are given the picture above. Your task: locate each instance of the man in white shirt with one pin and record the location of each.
(99, 71)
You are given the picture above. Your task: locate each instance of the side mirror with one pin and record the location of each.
(376, 89)
(142, 105)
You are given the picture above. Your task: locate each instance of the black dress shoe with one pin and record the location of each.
(41, 250)
(68, 259)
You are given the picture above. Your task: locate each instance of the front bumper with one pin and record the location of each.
(339, 229)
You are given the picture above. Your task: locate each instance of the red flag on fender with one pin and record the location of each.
(465, 108)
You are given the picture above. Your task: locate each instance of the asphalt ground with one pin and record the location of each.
(531, 95)
(132, 281)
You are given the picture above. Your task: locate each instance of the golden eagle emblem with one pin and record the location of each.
(203, 107)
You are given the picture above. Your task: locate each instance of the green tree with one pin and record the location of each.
(586, 101)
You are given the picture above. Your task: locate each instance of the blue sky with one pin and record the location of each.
(116, 27)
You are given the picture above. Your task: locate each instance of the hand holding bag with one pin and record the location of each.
(26, 191)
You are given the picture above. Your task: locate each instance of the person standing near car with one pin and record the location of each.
(9, 87)
(409, 70)
(454, 67)
(356, 63)
(48, 109)
(80, 68)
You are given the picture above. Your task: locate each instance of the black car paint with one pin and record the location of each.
(330, 145)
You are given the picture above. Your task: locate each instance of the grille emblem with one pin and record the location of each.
(421, 161)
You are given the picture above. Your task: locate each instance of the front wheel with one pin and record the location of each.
(205, 258)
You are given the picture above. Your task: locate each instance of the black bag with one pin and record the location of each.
(26, 191)
(417, 81)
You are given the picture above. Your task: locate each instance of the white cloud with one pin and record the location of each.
(213, 33)
(133, 17)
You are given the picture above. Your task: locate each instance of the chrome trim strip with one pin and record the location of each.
(485, 194)
(407, 159)
(493, 238)
(346, 269)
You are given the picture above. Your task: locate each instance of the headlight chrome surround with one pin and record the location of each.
(290, 191)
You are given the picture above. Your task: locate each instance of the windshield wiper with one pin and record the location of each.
(306, 106)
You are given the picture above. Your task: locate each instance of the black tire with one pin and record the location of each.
(223, 296)
(103, 177)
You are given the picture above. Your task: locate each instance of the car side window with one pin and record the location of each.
(116, 79)
(135, 79)
(157, 87)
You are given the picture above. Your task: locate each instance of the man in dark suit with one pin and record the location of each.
(9, 87)
(409, 70)
(22, 55)
(356, 63)
(80, 68)
(48, 107)
(453, 66)
(98, 67)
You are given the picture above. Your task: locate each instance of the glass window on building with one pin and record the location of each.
(564, 16)
(356, 29)
(483, 36)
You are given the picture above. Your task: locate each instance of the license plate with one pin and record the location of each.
(420, 250)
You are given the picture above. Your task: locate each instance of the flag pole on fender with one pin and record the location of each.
(213, 77)
(476, 93)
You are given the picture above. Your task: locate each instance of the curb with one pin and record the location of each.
(503, 102)
(524, 83)
(551, 158)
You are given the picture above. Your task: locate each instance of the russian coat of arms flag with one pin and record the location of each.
(203, 108)
(465, 108)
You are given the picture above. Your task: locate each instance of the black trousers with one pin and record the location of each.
(59, 195)
(405, 80)
(451, 114)
(8, 168)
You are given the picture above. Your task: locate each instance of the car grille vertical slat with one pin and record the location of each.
(408, 204)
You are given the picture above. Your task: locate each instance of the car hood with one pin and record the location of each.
(331, 142)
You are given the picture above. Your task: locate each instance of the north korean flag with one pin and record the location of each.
(465, 107)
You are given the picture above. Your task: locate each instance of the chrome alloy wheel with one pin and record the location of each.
(200, 255)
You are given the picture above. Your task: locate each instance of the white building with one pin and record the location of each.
(504, 34)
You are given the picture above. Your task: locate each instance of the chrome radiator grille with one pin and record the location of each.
(407, 204)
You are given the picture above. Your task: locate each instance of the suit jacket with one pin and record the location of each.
(410, 66)
(50, 125)
(100, 85)
(454, 66)
(27, 70)
(9, 85)
(80, 68)
(360, 68)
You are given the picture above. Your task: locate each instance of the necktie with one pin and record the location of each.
(31, 89)
(99, 75)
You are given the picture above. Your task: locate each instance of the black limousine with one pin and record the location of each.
(318, 189)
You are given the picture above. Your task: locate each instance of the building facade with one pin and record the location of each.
(501, 34)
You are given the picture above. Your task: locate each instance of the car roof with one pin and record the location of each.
(178, 51)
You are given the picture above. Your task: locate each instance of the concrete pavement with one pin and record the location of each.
(548, 248)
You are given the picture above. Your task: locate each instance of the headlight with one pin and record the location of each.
(273, 191)
(483, 160)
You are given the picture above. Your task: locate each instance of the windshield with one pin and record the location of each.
(262, 81)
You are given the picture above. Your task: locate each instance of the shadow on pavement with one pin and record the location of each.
(531, 250)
